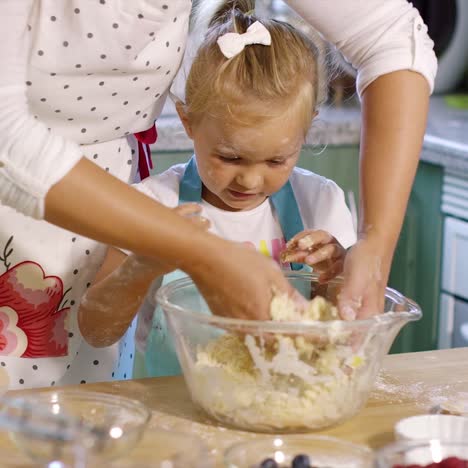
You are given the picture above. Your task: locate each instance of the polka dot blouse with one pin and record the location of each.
(91, 71)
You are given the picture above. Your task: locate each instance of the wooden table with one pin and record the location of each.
(408, 384)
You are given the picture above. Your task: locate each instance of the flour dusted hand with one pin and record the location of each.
(244, 278)
(318, 249)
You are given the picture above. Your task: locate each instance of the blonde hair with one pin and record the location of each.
(261, 82)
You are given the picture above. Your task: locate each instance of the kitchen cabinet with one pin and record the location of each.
(339, 163)
(164, 160)
(453, 320)
(416, 264)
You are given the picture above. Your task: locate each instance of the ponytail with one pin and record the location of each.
(232, 8)
(215, 12)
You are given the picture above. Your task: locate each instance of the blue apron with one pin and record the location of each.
(160, 357)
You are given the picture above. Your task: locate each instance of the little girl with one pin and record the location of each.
(250, 97)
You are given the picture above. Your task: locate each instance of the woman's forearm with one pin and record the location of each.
(394, 110)
(93, 203)
(234, 280)
(109, 306)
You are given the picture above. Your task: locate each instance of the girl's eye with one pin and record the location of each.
(276, 162)
(228, 159)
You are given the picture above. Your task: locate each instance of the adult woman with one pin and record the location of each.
(80, 77)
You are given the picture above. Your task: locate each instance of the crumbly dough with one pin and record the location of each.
(283, 308)
(283, 381)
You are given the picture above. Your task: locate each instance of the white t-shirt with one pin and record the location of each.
(321, 205)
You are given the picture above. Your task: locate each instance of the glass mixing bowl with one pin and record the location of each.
(321, 451)
(11, 456)
(269, 376)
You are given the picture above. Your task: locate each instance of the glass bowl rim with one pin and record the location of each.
(412, 313)
(131, 404)
(187, 440)
(361, 448)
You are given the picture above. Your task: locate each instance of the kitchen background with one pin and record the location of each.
(431, 260)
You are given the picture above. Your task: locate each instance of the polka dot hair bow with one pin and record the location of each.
(232, 44)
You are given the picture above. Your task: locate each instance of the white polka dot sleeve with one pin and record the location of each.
(375, 36)
(32, 159)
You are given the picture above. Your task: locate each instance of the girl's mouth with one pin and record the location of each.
(241, 195)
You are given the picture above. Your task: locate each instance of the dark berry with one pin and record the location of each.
(269, 463)
(301, 461)
(452, 462)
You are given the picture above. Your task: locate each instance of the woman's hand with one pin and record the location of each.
(318, 249)
(365, 277)
(237, 281)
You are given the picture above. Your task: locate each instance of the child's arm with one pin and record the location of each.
(109, 306)
(111, 303)
(318, 249)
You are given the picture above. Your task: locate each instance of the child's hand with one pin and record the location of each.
(318, 249)
(192, 211)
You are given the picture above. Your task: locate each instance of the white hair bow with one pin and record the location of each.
(232, 44)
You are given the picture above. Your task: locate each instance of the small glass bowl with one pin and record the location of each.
(107, 425)
(160, 448)
(323, 452)
(406, 454)
(12, 456)
(17, 460)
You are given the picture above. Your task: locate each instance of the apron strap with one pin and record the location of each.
(145, 138)
(284, 202)
(190, 186)
(286, 207)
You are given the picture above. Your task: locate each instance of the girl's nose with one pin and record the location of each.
(249, 180)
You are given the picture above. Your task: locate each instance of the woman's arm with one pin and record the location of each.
(376, 37)
(235, 280)
(387, 42)
(394, 110)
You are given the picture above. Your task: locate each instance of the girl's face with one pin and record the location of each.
(240, 167)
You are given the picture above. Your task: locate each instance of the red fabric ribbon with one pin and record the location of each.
(145, 138)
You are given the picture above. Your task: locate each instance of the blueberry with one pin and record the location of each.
(269, 463)
(301, 461)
